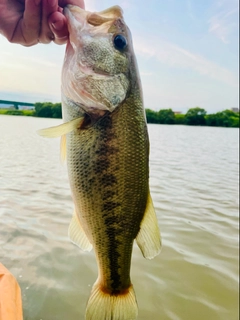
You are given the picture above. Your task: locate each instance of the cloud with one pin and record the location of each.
(177, 57)
(25, 73)
(9, 59)
(224, 21)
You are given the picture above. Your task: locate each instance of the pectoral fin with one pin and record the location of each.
(77, 234)
(63, 148)
(57, 131)
(148, 238)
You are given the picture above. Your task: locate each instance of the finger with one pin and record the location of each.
(48, 7)
(79, 3)
(58, 25)
(28, 28)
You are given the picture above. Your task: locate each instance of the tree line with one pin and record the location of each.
(41, 109)
(194, 116)
(48, 110)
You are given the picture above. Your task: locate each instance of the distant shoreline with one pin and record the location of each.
(194, 116)
(11, 112)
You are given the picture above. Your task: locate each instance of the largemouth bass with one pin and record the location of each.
(107, 149)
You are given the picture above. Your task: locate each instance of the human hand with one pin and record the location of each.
(29, 22)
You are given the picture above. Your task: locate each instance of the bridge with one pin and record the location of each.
(16, 104)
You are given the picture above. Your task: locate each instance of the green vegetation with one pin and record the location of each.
(42, 109)
(16, 112)
(226, 118)
(194, 116)
(48, 110)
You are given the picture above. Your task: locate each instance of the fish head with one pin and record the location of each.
(99, 54)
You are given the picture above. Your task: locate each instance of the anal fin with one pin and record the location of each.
(77, 234)
(149, 238)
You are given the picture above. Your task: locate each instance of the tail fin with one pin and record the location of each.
(104, 306)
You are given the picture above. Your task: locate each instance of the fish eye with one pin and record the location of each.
(120, 42)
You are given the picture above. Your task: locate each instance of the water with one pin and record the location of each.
(194, 185)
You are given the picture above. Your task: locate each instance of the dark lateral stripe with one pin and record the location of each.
(108, 180)
(110, 205)
(113, 256)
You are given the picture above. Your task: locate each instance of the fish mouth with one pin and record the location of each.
(93, 18)
(78, 17)
(68, 11)
(88, 86)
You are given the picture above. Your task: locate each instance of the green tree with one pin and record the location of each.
(179, 119)
(151, 116)
(48, 110)
(38, 107)
(166, 116)
(57, 110)
(195, 117)
(226, 118)
(211, 120)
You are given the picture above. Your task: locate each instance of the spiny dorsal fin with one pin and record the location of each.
(96, 20)
(148, 238)
(112, 12)
(77, 234)
(108, 15)
(57, 131)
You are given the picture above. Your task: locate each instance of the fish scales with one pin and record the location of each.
(105, 141)
(111, 188)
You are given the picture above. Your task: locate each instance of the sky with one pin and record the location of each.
(187, 53)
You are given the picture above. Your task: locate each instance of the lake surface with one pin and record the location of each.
(194, 185)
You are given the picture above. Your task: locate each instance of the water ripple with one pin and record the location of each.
(194, 185)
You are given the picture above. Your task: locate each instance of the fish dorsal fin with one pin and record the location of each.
(63, 148)
(111, 13)
(108, 15)
(148, 238)
(96, 20)
(77, 234)
(57, 131)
